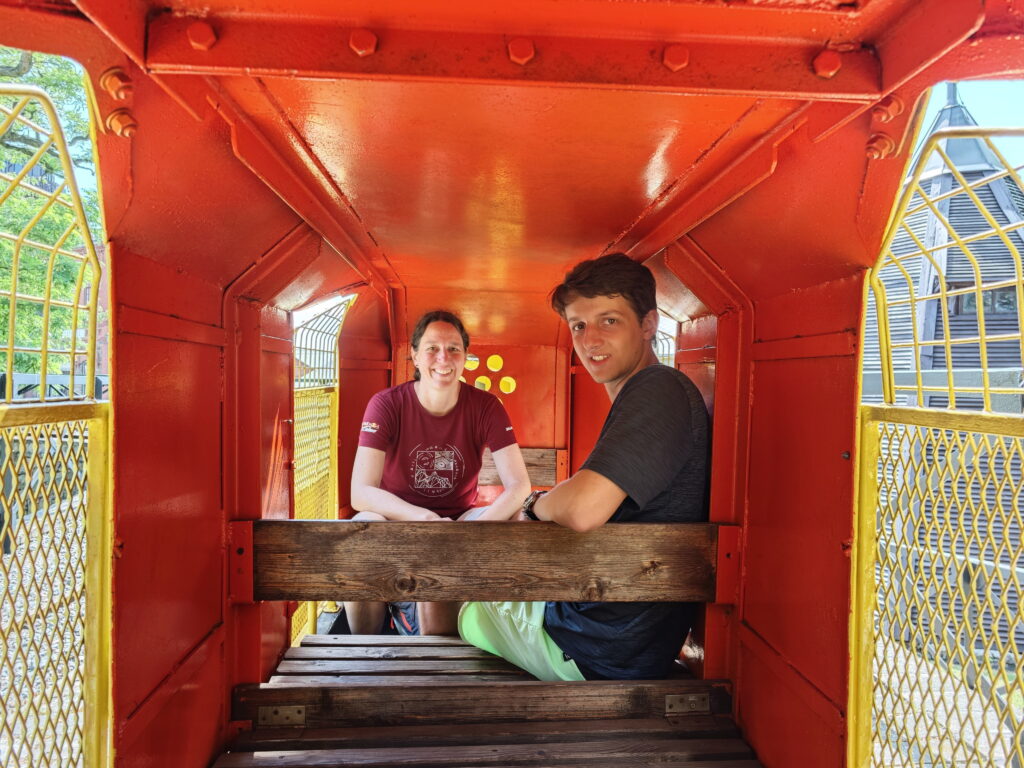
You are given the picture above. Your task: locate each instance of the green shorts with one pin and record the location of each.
(515, 631)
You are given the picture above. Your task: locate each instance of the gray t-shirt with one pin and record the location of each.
(654, 446)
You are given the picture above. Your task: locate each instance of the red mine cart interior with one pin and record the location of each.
(266, 155)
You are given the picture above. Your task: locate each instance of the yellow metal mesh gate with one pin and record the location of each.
(315, 405)
(54, 510)
(316, 479)
(52, 601)
(937, 634)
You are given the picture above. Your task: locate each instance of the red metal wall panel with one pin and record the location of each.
(800, 514)
(167, 580)
(187, 722)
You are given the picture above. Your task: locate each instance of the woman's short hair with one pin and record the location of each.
(436, 316)
(613, 275)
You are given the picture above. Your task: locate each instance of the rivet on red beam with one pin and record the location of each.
(521, 51)
(201, 35)
(827, 64)
(117, 83)
(362, 42)
(675, 57)
(887, 109)
(880, 146)
(122, 123)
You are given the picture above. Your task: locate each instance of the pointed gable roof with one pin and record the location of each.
(963, 153)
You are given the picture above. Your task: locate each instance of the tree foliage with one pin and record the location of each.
(33, 266)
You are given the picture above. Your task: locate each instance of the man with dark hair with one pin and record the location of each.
(649, 465)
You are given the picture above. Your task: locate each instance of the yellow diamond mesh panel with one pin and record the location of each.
(313, 454)
(314, 477)
(42, 594)
(949, 637)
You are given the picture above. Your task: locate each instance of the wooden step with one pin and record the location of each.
(415, 700)
(428, 702)
(691, 726)
(631, 751)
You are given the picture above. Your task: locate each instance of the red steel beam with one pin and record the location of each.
(274, 48)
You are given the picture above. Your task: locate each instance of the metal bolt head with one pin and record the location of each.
(887, 109)
(362, 42)
(122, 123)
(827, 64)
(117, 83)
(201, 35)
(880, 147)
(675, 57)
(521, 51)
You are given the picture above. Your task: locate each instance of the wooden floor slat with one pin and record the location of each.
(393, 652)
(384, 681)
(632, 751)
(492, 665)
(382, 640)
(690, 726)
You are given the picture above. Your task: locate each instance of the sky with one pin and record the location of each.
(993, 103)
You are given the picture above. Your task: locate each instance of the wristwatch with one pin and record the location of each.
(530, 501)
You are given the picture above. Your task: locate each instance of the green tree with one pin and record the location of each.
(37, 274)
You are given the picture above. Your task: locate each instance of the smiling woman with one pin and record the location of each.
(420, 452)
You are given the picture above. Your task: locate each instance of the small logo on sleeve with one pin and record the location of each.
(370, 426)
(508, 429)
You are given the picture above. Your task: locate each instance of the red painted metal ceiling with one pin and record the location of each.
(447, 166)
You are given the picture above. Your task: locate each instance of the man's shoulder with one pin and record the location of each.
(659, 380)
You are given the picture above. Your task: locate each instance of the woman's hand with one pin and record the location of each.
(472, 513)
(422, 515)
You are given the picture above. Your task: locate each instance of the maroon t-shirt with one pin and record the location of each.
(433, 461)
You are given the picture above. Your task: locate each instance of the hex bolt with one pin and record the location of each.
(122, 123)
(880, 147)
(827, 64)
(362, 42)
(887, 109)
(116, 82)
(201, 35)
(521, 51)
(675, 57)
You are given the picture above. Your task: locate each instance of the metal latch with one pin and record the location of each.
(688, 703)
(281, 715)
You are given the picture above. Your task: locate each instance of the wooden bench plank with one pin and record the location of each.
(492, 665)
(691, 726)
(340, 560)
(383, 641)
(541, 466)
(364, 652)
(424, 702)
(633, 751)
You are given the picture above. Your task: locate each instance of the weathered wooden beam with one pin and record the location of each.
(541, 466)
(340, 560)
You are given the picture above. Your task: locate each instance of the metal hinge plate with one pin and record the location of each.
(688, 703)
(281, 716)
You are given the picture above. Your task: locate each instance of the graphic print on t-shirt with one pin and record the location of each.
(435, 470)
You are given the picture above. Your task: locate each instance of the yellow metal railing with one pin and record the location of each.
(49, 270)
(937, 635)
(54, 586)
(315, 405)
